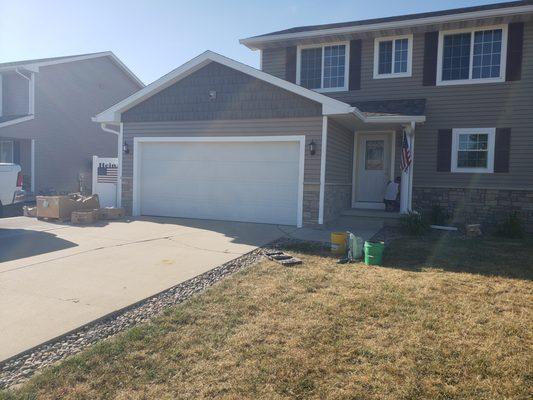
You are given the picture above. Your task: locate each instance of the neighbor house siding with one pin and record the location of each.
(311, 127)
(507, 104)
(67, 96)
(15, 94)
(339, 170)
(238, 96)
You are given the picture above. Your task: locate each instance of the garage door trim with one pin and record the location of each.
(137, 156)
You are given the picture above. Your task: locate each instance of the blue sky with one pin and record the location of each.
(154, 37)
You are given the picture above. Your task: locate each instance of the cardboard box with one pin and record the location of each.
(90, 202)
(60, 207)
(109, 213)
(84, 217)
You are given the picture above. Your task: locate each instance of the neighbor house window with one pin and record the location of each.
(323, 68)
(473, 150)
(6, 151)
(392, 56)
(472, 56)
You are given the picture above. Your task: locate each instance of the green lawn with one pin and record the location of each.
(442, 319)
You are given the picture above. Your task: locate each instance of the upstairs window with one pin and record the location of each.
(393, 57)
(323, 68)
(473, 56)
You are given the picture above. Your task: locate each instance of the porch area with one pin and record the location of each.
(369, 160)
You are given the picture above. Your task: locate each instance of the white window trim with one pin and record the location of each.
(470, 80)
(490, 151)
(393, 74)
(321, 46)
(12, 148)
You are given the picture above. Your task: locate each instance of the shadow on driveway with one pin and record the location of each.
(20, 243)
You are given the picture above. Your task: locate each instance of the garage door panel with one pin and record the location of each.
(226, 171)
(240, 181)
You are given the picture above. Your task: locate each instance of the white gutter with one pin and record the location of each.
(104, 127)
(254, 42)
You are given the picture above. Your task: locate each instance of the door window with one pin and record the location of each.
(6, 151)
(374, 155)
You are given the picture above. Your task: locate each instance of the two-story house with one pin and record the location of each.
(442, 100)
(46, 107)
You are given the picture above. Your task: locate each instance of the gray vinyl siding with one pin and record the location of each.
(67, 96)
(15, 94)
(238, 96)
(311, 127)
(508, 104)
(274, 61)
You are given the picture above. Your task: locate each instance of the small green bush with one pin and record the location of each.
(438, 215)
(512, 227)
(413, 224)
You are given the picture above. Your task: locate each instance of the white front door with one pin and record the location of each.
(373, 165)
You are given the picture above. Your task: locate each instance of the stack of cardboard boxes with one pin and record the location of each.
(74, 207)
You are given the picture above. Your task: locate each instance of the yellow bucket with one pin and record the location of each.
(338, 242)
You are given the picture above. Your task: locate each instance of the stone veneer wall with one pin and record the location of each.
(484, 206)
(337, 198)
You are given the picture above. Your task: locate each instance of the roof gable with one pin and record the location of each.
(113, 114)
(34, 65)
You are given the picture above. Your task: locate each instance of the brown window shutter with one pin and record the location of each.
(431, 44)
(290, 64)
(515, 44)
(444, 150)
(502, 150)
(355, 65)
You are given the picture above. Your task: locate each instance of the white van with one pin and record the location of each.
(10, 185)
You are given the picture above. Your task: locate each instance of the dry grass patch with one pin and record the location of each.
(424, 330)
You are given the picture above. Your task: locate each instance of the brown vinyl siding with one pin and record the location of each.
(339, 154)
(339, 170)
(500, 105)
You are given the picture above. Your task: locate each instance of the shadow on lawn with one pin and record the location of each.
(488, 256)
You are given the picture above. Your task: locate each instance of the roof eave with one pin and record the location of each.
(255, 42)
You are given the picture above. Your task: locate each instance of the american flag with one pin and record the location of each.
(107, 173)
(406, 154)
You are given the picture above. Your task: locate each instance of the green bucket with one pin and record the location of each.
(374, 253)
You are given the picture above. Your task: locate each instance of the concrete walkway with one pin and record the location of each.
(57, 277)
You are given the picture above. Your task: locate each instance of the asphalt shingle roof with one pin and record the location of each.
(392, 107)
(398, 18)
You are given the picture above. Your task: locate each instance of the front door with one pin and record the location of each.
(372, 169)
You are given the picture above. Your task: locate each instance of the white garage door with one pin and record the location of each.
(251, 181)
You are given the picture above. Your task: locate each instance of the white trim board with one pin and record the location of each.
(137, 155)
(17, 121)
(113, 113)
(254, 43)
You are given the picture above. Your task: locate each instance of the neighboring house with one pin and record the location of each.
(320, 128)
(46, 107)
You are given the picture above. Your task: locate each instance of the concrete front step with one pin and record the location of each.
(364, 213)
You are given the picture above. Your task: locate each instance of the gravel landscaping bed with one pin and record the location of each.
(17, 370)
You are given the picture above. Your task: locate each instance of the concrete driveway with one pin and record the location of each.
(57, 277)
